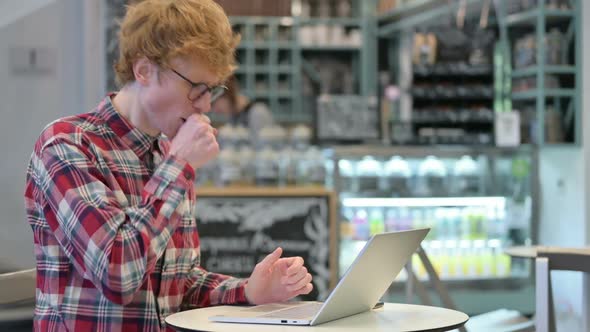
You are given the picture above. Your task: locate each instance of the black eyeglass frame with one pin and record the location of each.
(215, 91)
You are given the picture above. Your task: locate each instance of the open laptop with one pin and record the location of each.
(363, 284)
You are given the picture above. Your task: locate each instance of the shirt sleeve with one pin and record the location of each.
(114, 246)
(205, 289)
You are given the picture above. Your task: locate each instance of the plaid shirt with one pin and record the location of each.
(116, 242)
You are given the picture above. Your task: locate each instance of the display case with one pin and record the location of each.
(476, 202)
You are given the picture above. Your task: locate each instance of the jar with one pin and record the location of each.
(368, 175)
(432, 176)
(229, 171)
(466, 177)
(267, 167)
(397, 175)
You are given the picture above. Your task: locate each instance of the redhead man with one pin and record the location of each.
(110, 196)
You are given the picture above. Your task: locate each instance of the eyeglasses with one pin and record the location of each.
(200, 88)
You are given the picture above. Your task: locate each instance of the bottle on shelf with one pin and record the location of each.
(432, 175)
(229, 167)
(316, 167)
(405, 219)
(376, 221)
(431, 222)
(397, 174)
(346, 226)
(466, 177)
(361, 225)
(368, 175)
(348, 180)
(391, 220)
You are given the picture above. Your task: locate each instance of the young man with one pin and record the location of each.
(110, 200)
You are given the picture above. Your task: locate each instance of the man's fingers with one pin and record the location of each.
(301, 284)
(199, 117)
(294, 266)
(293, 279)
(271, 258)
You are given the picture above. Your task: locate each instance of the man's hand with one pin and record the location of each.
(277, 279)
(195, 141)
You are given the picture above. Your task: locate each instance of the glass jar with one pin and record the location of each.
(397, 175)
(466, 177)
(267, 167)
(368, 175)
(229, 171)
(346, 170)
(432, 177)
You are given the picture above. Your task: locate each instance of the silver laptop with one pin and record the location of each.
(363, 284)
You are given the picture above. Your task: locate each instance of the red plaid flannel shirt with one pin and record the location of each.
(116, 243)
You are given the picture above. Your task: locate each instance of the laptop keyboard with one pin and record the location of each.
(297, 312)
(270, 307)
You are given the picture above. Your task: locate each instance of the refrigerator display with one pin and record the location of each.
(476, 202)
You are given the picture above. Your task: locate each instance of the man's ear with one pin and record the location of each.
(143, 70)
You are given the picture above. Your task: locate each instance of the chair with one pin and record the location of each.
(554, 259)
(17, 296)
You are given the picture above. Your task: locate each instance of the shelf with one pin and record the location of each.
(261, 69)
(424, 201)
(459, 98)
(530, 71)
(262, 94)
(529, 17)
(419, 151)
(412, 8)
(260, 45)
(452, 124)
(284, 69)
(331, 48)
(268, 94)
(452, 71)
(284, 94)
(262, 20)
(475, 281)
(345, 21)
(548, 93)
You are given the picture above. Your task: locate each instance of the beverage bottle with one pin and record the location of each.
(430, 221)
(442, 224)
(391, 220)
(346, 225)
(361, 225)
(376, 221)
(405, 219)
(348, 182)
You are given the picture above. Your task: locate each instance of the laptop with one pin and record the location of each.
(361, 287)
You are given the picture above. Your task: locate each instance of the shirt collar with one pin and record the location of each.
(137, 140)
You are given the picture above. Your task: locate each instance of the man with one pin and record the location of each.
(110, 200)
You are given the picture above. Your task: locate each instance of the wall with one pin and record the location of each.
(29, 102)
(562, 221)
(586, 147)
(13, 10)
(565, 214)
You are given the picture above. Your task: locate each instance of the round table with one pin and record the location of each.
(522, 251)
(391, 317)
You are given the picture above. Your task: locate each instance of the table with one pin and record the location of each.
(522, 251)
(391, 317)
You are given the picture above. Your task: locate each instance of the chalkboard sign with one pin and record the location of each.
(238, 228)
